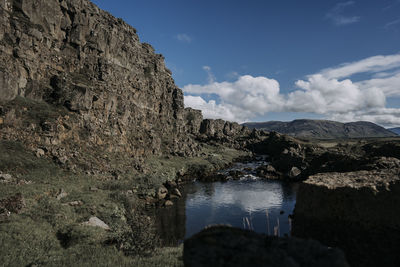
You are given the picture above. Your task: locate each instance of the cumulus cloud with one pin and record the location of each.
(240, 100)
(322, 95)
(212, 110)
(338, 18)
(330, 92)
(182, 37)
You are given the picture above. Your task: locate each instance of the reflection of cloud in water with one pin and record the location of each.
(249, 196)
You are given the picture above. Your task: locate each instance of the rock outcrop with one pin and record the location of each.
(297, 160)
(356, 211)
(227, 246)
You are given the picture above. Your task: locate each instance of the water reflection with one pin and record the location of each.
(249, 196)
(233, 203)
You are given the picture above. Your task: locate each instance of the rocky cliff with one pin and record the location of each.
(72, 76)
(78, 86)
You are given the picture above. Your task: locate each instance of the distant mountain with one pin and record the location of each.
(395, 130)
(323, 129)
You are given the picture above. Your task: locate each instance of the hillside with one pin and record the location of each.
(395, 130)
(323, 129)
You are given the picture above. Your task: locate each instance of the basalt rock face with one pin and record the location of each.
(355, 211)
(115, 92)
(224, 132)
(220, 132)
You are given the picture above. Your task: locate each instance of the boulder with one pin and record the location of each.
(61, 194)
(168, 203)
(268, 171)
(176, 192)
(227, 246)
(39, 153)
(162, 192)
(294, 173)
(96, 222)
(5, 177)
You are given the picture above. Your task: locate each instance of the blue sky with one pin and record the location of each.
(277, 60)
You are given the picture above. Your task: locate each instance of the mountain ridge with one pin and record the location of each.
(395, 130)
(323, 129)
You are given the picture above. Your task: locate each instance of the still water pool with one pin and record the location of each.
(250, 202)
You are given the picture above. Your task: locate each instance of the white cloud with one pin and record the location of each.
(182, 37)
(212, 110)
(243, 99)
(331, 93)
(388, 84)
(371, 65)
(337, 17)
(321, 95)
(341, 99)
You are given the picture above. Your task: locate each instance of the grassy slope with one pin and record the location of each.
(49, 231)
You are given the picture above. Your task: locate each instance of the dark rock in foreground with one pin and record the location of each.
(227, 246)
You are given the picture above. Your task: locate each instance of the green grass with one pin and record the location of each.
(48, 232)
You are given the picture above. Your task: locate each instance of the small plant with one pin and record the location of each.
(277, 228)
(248, 222)
(268, 230)
(138, 239)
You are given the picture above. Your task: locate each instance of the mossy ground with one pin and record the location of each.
(48, 231)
